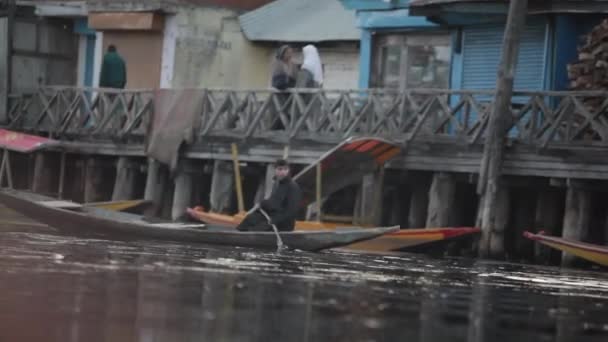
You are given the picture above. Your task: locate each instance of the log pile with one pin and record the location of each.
(590, 72)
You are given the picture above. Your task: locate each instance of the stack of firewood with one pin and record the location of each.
(590, 72)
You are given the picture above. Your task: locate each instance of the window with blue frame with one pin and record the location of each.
(412, 60)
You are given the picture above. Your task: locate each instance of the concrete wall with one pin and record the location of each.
(341, 66)
(211, 51)
(142, 51)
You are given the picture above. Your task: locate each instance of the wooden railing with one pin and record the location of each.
(540, 119)
(83, 113)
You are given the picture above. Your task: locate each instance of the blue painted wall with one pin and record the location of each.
(365, 59)
(81, 27)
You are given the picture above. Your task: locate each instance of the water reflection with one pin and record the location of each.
(55, 288)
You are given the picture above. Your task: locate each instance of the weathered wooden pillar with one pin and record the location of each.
(124, 186)
(419, 204)
(576, 218)
(368, 205)
(497, 234)
(222, 186)
(606, 230)
(441, 200)
(183, 190)
(499, 121)
(265, 185)
(155, 185)
(45, 174)
(546, 218)
(93, 182)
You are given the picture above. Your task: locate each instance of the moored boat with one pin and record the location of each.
(587, 251)
(75, 218)
(397, 241)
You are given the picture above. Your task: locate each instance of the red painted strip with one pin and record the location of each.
(353, 145)
(446, 232)
(368, 146)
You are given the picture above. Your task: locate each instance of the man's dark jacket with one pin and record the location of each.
(113, 71)
(283, 204)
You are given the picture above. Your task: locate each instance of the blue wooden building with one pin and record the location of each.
(457, 43)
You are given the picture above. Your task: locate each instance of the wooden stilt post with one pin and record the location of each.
(441, 199)
(61, 186)
(546, 218)
(124, 186)
(319, 193)
(497, 235)
(419, 203)
(182, 194)
(500, 121)
(5, 169)
(93, 181)
(155, 185)
(222, 183)
(237, 178)
(576, 218)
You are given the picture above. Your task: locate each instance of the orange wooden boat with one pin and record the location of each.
(397, 241)
(231, 221)
(587, 251)
(367, 153)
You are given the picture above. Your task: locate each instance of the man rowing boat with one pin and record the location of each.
(282, 205)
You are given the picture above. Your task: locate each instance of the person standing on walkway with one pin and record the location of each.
(311, 72)
(113, 70)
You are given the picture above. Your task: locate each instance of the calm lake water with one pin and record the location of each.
(60, 288)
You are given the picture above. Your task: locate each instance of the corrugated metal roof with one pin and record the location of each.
(300, 21)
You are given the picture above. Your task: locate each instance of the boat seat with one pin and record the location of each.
(68, 205)
(178, 225)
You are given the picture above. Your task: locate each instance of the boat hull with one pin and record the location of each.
(111, 224)
(587, 251)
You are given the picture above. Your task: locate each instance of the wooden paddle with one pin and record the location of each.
(280, 245)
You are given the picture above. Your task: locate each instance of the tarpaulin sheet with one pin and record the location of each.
(176, 120)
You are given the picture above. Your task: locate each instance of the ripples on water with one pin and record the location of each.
(57, 288)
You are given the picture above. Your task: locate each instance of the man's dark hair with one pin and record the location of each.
(111, 48)
(281, 162)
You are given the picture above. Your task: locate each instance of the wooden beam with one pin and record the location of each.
(500, 121)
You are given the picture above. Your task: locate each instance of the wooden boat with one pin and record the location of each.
(231, 221)
(73, 217)
(367, 153)
(120, 205)
(587, 251)
(407, 239)
(397, 241)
